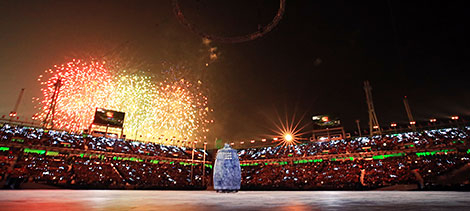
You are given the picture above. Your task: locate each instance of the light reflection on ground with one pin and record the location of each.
(208, 200)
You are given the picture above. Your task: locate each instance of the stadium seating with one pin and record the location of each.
(79, 161)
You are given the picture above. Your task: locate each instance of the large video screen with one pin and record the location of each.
(324, 121)
(109, 117)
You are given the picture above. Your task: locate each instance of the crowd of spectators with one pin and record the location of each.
(449, 137)
(346, 175)
(103, 173)
(108, 163)
(99, 170)
(30, 136)
(360, 172)
(6, 160)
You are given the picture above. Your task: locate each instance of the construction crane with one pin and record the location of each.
(410, 115)
(14, 113)
(374, 126)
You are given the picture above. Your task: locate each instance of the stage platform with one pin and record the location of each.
(244, 200)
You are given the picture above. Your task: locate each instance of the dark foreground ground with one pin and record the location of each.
(209, 200)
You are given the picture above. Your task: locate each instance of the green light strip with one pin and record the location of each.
(132, 159)
(4, 148)
(52, 153)
(17, 140)
(344, 158)
(92, 156)
(387, 156)
(188, 164)
(308, 161)
(249, 164)
(433, 152)
(37, 151)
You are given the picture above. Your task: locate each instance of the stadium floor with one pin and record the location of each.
(209, 200)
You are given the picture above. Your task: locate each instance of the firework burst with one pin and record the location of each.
(134, 94)
(182, 110)
(84, 86)
(174, 109)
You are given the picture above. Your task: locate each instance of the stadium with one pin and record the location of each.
(430, 159)
(129, 127)
(433, 159)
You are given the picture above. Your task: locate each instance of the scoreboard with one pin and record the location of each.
(324, 121)
(109, 118)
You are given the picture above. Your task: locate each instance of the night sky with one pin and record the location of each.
(313, 62)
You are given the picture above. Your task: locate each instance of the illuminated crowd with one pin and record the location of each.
(100, 173)
(33, 155)
(424, 159)
(419, 158)
(29, 136)
(450, 137)
(346, 175)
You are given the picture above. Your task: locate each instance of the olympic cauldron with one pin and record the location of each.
(227, 171)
